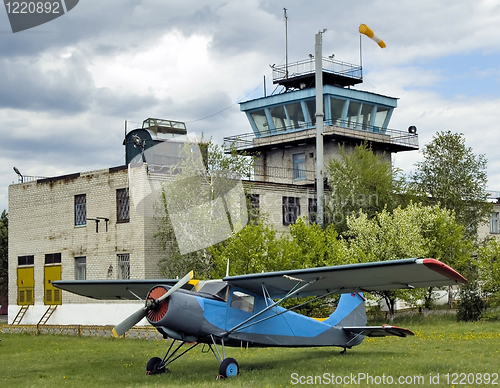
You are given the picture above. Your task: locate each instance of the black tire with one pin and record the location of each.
(155, 366)
(229, 368)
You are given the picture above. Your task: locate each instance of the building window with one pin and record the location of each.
(494, 226)
(299, 166)
(312, 210)
(291, 210)
(81, 268)
(122, 205)
(80, 210)
(26, 260)
(253, 207)
(53, 258)
(124, 266)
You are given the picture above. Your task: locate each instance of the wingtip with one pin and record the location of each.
(115, 334)
(443, 269)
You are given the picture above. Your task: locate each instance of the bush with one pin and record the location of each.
(471, 305)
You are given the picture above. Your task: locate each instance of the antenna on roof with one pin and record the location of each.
(286, 43)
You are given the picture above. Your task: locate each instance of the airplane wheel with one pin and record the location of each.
(229, 367)
(155, 366)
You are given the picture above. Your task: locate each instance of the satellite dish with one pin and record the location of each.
(412, 129)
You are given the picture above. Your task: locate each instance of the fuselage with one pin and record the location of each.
(195, 316)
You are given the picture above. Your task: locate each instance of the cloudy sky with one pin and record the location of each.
(68, 86)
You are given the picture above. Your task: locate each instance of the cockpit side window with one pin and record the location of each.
(242, 301)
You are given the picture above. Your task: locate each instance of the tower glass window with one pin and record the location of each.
(260, 121)
(279, 118)
(296, 115)
(337, 108)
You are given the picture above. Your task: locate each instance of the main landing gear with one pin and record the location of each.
(228, 367)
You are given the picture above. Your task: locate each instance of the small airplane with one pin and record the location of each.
(245, 310)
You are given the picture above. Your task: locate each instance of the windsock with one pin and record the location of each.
(364, 29)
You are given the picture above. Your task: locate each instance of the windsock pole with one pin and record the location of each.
(365, 30)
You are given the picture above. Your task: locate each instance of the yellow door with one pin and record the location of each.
(52, 295)
(25, 286)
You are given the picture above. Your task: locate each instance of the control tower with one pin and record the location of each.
(283, 125)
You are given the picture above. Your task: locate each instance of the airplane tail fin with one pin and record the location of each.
(349, 312)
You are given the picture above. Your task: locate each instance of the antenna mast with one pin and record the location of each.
(286, 43)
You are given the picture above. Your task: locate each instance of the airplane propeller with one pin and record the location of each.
(133, 319)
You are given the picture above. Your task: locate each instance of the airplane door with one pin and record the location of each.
(25, 286)
(52, 295)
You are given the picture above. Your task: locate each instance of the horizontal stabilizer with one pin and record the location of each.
(379, 331)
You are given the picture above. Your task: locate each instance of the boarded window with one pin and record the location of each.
(80, 209)
(122, 205)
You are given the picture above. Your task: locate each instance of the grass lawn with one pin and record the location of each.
(440, 346)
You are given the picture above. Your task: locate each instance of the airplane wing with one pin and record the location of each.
(379, 331)
(363, 277)
(114, 289)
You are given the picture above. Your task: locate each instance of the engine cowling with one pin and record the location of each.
(180, 312)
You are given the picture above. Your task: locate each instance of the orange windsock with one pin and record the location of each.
(365, 30)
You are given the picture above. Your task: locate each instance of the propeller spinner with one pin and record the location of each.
(152, 305)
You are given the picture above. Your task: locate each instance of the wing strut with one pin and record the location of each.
(294, 290)
(289, 309)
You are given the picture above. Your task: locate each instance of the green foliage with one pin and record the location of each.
(4, 254)
(471, 305)
(196, 184)
(259, 248)
(363, 181)
(454, 176)
(256, 248)
(173, 264)
(414, 231)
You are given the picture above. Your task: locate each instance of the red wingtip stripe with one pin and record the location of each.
(444, 270)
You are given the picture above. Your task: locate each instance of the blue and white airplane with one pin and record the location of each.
(245, 310)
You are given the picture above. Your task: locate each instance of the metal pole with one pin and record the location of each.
(318, 56)
(286, 44)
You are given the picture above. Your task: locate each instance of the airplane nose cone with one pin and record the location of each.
(158, 310)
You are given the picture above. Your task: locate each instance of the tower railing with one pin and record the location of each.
(304, 67)
(396, 137)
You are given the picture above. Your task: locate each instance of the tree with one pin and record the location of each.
(414, 231)
(200, 190)
(489, 270)
(4, 254)
(454, 176)
(363, 180)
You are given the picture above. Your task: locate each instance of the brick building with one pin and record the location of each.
(78, 226)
